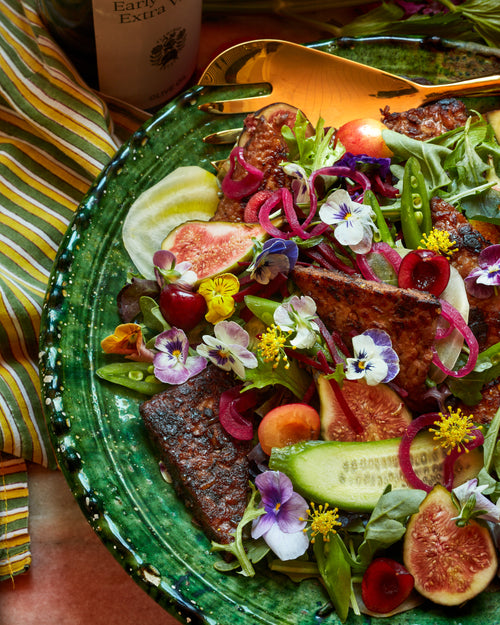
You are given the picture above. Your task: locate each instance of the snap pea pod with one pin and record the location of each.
(384, 231)
(415, 206)
(262, 308)
(137, 376)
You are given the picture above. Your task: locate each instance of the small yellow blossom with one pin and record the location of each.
(323, 519)
(438, 241)
(454, 430)
(218, 293)
(271, 346)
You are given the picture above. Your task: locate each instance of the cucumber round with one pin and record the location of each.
(353, 475)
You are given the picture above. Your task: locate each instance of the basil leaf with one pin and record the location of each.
(387, 523)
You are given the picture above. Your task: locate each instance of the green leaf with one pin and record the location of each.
(237, 547)
(335, 572)
(487, 369)
(295, 378)
(387, 523)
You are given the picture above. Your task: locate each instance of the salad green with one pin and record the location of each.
(358, 215)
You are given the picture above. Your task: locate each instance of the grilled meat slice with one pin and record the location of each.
(209, 469)
(264, 148)
(351, 305)
(484, 315)
(427, 121)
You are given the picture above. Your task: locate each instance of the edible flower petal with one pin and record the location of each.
(298, 315)
(473, 504)
(218, 293)
(484, 281)
(173, 364)
(167, 270)
(228, 349)
(283, 523)
(374, 359)
(300, 184)
(127, 339)
(353, 222)
(277, 256)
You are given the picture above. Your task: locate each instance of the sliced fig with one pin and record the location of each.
(380, 411)
(449, 564)
(213, 247)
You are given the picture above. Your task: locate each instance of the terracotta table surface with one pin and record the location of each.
(74, 579)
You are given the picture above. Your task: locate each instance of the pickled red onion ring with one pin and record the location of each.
(456, 321)
(238, 189)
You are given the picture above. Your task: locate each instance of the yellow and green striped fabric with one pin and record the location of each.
(56, 135)
(15, 554)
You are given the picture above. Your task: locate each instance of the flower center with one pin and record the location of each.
(454, 430)
(323, 521)
(271, 346)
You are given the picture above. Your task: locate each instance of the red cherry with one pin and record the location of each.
(181, 307)
(385, 585)
(424, 270)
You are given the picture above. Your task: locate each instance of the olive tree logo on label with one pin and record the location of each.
(166, 50)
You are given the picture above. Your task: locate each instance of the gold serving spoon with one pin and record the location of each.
(322, 84)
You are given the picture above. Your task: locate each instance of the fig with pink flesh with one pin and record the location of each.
(450, 564)
(214, 247)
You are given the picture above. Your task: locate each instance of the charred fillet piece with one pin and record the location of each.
(264, 148)
(427, 121)
(484, 315)
(209, 469)
(351, 305)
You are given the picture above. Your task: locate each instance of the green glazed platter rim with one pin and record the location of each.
(95, 428)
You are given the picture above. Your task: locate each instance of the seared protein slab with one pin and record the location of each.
(484, 315)
(209, 469)
(350, 305)
(426, 122)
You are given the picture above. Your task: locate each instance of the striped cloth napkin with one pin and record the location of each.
(56, 135)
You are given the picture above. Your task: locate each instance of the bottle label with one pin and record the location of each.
(146, 49)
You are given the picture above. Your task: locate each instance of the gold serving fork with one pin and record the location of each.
(321, 84)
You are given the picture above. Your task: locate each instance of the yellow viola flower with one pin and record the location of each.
(218, 293)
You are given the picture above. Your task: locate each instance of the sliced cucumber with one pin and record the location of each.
(188, 193)
(353, 475)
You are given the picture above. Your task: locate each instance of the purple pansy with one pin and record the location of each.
(228, 349)
(173, 364)
(277, 256)
(282, 525)
(366, 164)
(483, 281)
(374, 359)
(167, 270)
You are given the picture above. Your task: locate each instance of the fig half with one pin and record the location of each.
(449, 564)
(213, 247)
(380, 411)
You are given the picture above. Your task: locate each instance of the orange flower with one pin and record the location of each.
(127, 340)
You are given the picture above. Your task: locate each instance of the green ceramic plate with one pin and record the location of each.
(98, 435)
